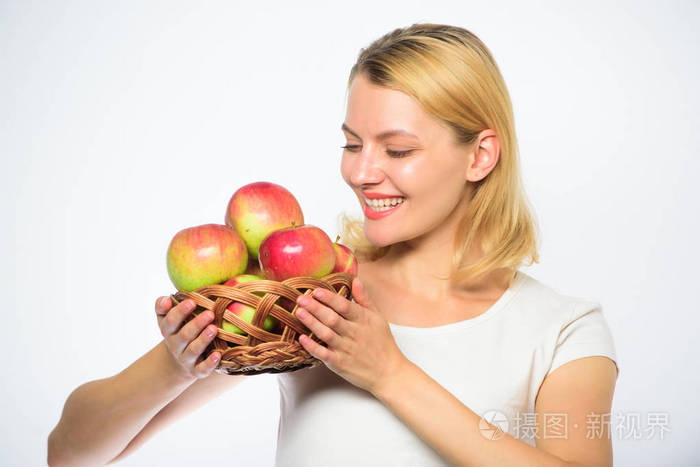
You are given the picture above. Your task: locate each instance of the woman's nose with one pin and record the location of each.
(366, 170)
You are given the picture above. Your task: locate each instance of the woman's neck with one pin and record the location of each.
(423, 266)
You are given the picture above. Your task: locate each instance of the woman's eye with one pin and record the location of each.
(355, 147)
(398, 153)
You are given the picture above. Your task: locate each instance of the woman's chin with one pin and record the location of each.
(379, 239)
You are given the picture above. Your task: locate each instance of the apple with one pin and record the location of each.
(242, 279)
(259, 208)
(204, 255)
(305, 250)
(246, 313)
(283, 302)
(345, 260)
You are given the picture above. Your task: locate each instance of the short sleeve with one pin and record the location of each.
(584, 334)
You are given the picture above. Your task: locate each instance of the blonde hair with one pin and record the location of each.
(453, 75)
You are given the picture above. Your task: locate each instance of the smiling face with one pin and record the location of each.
(420, 169)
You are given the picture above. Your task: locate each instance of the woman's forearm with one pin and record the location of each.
(101, 417)
(452, 429)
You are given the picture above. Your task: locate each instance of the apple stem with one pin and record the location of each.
(337, 238)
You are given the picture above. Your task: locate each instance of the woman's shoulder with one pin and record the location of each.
(550, 302)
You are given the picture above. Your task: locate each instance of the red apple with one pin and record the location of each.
(345, 260)
(296, 251)
(259, 208)
(204, 255)
(246, 313)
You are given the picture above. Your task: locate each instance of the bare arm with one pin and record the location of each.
(101, 417)
(106, 419)
(197, 395)
(574, 390)
(574, 393)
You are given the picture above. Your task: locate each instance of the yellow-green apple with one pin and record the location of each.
(345, 260)
(305, 250)
(242, 279)
(283, 302)
(259, 208)
(204, 255)
(246, 313)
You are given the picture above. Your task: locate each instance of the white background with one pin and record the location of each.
(124, 122)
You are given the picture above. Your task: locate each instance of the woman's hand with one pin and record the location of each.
(361, 348)
(186, 343)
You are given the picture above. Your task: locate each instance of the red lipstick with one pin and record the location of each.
(376, 215)
(370, 195)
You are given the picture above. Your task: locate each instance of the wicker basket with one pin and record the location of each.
(262, 351)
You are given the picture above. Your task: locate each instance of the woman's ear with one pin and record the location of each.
(482, 160)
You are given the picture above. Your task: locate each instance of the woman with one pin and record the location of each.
(444, 328)
(447, 354)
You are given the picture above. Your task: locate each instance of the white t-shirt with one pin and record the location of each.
(499, 360)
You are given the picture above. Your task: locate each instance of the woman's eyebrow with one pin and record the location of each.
(382, 135)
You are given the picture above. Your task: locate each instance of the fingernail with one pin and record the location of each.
(215, 357)
(209, 315)
(162, 301)
(189, 304)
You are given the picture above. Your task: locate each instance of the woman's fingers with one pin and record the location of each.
(195, 332)
(171, 322)
(187, 342)
(206, 366)
(163, 304)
